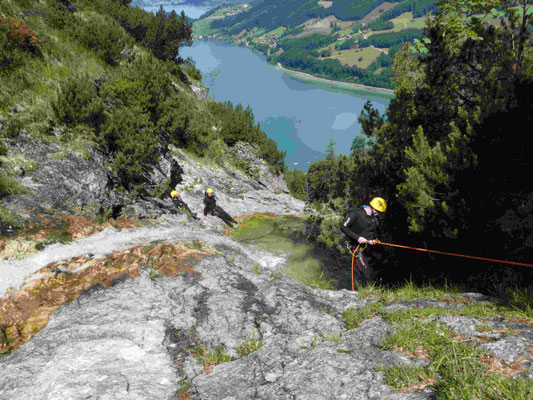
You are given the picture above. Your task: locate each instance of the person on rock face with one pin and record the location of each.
(210, 207)
(360, 228)
(181, 205)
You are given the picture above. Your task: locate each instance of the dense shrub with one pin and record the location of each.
(391, 39)
(129, 135)
(16, 39)
(105, 37)
(78, 103)
(166, 33)
(237, 124)
(379, 25)
(295, 180)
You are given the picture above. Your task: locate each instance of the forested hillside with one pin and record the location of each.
(451, 156)
(100, 77)
(351, 41)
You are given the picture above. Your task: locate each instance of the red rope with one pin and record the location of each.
(450, 254)
(353, 257)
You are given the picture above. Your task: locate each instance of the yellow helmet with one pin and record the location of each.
(379, 204)
(174, 193)
(209, 190)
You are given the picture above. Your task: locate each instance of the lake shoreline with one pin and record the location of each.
(305, 75)
(331, 81)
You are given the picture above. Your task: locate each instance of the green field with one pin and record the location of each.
(202, 28)
(352, 57)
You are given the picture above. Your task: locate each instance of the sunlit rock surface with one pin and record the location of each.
(180, 310)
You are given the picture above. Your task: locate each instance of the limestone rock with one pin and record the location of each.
(141, 337)
(259, 168)
(217, 330)
(61, 180)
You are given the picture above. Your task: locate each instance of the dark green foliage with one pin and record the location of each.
(450, 157)
(310, 42)
(271, 14)
(133, 107)
(370, 119)
(295, 180)
(8, 185)
(345, 44)
(237, 124)
(129, 134)
(59, 16)
(379, 25)
(330, 149)
(391, 39)
(134, 20)
(162, 33)
(192, 71)
(360, 144)
(105, 37)
(78, 103)
(419, 8)
(166, 33)
(261, 47)
(328, 179)
(300, 59)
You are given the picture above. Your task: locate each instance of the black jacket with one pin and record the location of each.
(210, 204)
(178, 201)
(359, 224)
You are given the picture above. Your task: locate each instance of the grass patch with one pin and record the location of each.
(360, 58)
(407, 291)
(249, 345)
(407, 378)
(209, 357)
(255, 269)
(457, 369)
(333, 337)
(353, 317)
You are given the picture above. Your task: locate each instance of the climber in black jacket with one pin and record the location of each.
(210, 207)
(361, 227)
(181, 205)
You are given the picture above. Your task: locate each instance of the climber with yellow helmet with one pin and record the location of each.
(360, 228)
(181, 205)
(210, 207)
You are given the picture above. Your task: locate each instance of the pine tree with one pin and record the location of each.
(330, 149)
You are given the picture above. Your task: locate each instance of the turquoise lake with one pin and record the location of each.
(299, 114)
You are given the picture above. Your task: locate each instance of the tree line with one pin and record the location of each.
(136, 104)
(449, 155)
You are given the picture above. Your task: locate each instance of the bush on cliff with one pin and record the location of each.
(99, 73)
(238, 124)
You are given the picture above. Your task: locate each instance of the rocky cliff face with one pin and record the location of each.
(179, 309)
(60, 180)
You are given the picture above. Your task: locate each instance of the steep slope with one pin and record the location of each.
(182, 311)
(109, 292)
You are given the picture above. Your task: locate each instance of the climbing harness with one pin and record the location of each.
(454, 254)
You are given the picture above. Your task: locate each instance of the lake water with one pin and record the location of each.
(299, 114)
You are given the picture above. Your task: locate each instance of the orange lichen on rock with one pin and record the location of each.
(26, 312)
